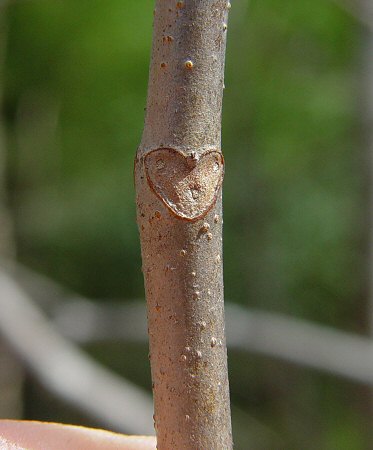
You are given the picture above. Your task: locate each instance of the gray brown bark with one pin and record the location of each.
(178, 174)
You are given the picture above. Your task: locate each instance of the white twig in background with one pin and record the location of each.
(282, 337)
(67, 371)
(292, 340)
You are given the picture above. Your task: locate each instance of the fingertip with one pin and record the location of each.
(22, 435)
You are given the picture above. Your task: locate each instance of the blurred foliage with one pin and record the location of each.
(75, 81)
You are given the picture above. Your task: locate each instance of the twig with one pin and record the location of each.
(302, 343)
(178, 175)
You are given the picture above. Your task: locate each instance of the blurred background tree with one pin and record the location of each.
(74, 88)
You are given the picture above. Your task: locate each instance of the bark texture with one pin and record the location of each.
(179, 170)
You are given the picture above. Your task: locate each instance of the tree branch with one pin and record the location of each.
(178, 175)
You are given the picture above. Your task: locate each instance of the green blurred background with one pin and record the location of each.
(74, 81)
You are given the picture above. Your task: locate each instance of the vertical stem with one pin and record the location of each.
(178, 174)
